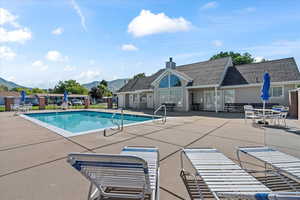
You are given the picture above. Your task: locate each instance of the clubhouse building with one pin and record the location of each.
(210, 85)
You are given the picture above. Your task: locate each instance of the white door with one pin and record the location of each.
(149, 100)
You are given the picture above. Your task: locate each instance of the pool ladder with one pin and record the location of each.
(163, 117)
(115, 122)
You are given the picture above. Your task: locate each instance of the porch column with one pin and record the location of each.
(138, 101)
(187, 103)
(216, 99)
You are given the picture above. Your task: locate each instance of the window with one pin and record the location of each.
(276, 91)
(229, 96)
(164, 83)
(170, 80)
(174, 81)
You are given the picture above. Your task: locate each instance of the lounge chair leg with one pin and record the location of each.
(90, 191)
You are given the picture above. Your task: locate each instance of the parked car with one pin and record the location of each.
(76, 102)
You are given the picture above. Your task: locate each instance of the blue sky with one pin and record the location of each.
(42, 42)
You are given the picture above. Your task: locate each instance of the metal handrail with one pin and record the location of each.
(164, 117)
(120, 125)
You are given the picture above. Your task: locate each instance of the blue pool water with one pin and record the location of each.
(82, 121)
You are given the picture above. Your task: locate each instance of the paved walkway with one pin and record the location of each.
(33, 159)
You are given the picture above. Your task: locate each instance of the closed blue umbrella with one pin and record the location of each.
(266, 87)
(65, 96)
(265, 90)
(23, 96)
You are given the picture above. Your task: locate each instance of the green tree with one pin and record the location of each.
(3, 88)
(70, 86)
(100, 91)
(37, 91)
(104, 82)
(95, 93)
(27, 90)
(140, 75)
(237, 58)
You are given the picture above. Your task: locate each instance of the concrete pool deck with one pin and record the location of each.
(33, 159)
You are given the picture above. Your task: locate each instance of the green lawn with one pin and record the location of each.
(52, 107)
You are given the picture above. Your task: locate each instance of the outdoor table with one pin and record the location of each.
(267, 113)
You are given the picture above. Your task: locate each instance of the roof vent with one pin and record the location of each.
(170, 64)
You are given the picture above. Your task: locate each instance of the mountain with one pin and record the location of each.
(112, 85)
(10, 84)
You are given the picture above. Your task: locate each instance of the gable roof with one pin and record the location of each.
(142, 83)
(280, 70)
(206, 73)
(203, 73)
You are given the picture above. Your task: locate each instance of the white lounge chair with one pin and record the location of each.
(131, 175)
(279, 162)
(220, 174)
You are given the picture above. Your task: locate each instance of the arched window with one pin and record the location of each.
(164, 83)
(170, 80)
(174, 81)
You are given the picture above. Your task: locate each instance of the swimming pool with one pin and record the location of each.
(72, 123)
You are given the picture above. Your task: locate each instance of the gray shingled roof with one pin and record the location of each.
(202, 73)
(140, 83)
(279, 70)
(205, 73)
(210, 73)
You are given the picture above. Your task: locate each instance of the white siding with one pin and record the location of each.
(121, 100)
(252, 95)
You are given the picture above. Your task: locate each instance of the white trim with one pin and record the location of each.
(66, 133)
(201, 86)
(271, 92)
(136, 91)
(171, 71)
(260, 84)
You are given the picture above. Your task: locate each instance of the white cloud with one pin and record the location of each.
(76, 7)
(40, 65)
(55, 56)
(217, 43)
(7, 18)
(258, 59)
(129, 47)
(69, 68)
(88, 76)
(19, 35)
(6, 53)
(148, 23)
(58, 31)
(209, 5)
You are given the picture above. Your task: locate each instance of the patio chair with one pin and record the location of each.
(250, 113)
(133, 174)
(283, 114)
(222, 176)
(280, 163)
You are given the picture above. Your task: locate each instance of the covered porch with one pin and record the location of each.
(209, 98)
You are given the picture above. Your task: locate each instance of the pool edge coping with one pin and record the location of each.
(68, 134)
